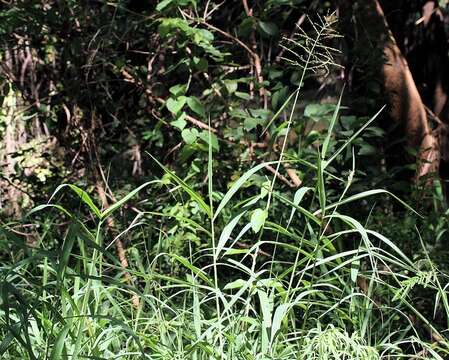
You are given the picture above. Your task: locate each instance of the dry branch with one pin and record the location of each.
(121, 252)
(280, 176)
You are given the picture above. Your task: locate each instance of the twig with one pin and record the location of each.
(433, 116)
(293, 176)
(246, 246)
(279, 176)
(248, 11)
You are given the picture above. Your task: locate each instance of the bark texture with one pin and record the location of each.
(374, 46)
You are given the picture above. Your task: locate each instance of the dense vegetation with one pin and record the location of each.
(189, 179)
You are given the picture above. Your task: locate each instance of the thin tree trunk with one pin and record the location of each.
(12, 140)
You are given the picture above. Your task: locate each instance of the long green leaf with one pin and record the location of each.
(226, 233)
(238, 184)
(193, 194)
(281, 109)
(351, 139)
(331, 127)
(123, 200)
(365, 194)
(85, 198)
(299, 194)
(56, 352)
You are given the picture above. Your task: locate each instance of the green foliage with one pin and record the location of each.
(229, 256)
(303, 299)
(332, 343)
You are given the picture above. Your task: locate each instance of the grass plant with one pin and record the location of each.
(293, 293)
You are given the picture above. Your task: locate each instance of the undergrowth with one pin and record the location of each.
(293, 293)
(262, 287)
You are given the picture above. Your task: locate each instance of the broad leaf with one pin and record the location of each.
(258, 218)
(176, 105)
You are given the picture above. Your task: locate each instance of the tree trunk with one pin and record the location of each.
(369, 35)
